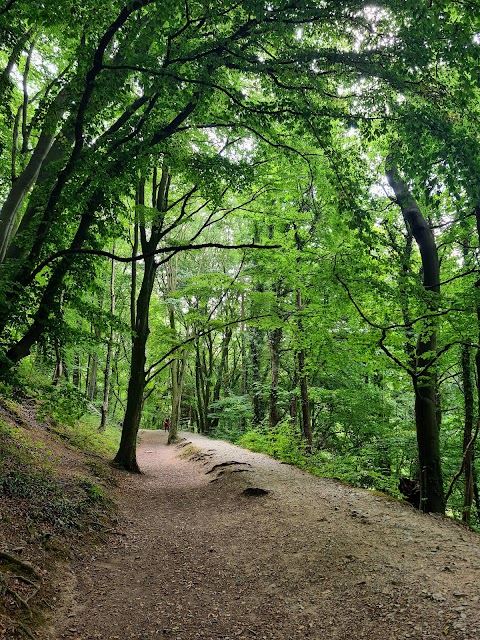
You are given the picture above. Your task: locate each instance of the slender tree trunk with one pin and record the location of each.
(304, 398)
(92, 378)
(476, 491)
(106, 374)
(178, 375)
(199, 386)
(256, 341)
(26, 98)
(467, 432)
(275, 339)
(177, 367)
(221, 371)
(140, 197)
(76, 371)
(428, 436)
(243, 349)
(58, 372)
(207, 377)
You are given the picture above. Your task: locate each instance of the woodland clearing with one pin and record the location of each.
(193, 557)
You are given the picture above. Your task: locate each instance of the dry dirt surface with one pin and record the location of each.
(194, 557)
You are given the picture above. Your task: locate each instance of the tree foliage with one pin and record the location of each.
(175, 139)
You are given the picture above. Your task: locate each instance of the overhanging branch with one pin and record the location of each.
(173, 250)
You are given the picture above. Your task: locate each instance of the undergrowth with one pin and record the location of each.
(54, 495)
(354, 468)
(28, 476)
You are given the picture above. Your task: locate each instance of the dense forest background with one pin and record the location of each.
(259, 219)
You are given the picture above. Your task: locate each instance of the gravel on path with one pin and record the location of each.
(194, 557)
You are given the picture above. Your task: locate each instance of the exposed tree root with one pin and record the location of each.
(200, 456)
(226, 464)
(26, 566)
(4, 588)
(16, 625)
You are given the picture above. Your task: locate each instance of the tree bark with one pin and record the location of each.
(275, 339)
(428, 436)
(76, 371)
(92, 378)
(222, 368)
(304, 398)
(106, 374)
(199, 387)
(467, 432)
(256, 340)
(27, 178)
(127, 453)
(22, 348)
(177, 367)
(126, 456)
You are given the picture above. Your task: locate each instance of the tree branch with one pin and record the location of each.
(172, 249)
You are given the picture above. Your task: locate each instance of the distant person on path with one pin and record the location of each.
(166, 424)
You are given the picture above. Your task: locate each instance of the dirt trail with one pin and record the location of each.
(196, 559)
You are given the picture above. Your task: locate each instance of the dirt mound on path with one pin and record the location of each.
(196, 558)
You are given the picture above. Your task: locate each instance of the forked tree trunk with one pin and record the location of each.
(127, 453)
(427, 428)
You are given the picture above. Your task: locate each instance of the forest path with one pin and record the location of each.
(195, 559)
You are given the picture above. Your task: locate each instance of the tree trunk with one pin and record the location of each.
(199, 386)
(177, 367)
(243, 349)
(467, 432)
(207, 377)
(106, 374)
(275, 339)
(304, 399)
(76, 371)
(256, 341)
(92, 377)
(58, 372)
(127, 453)
(428, 436)
(222, 367)
(27, 178)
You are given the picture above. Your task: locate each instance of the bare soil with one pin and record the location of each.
(193, 557)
